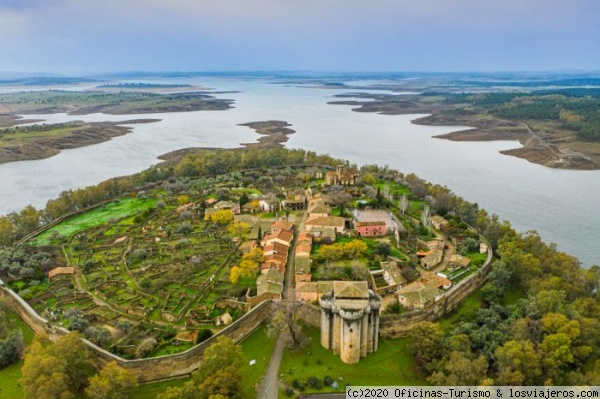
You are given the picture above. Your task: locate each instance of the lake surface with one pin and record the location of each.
(559, 204)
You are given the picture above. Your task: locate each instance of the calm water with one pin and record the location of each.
(560, 204)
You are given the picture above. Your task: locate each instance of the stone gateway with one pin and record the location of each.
(350, 320)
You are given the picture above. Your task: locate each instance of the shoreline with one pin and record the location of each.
(536, 147)
(77, 136)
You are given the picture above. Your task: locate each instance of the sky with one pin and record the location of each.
(97, 36)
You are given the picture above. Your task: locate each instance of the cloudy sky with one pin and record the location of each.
(89, 36)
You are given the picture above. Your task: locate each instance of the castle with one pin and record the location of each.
(350, 320)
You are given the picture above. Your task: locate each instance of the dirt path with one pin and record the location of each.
(269, 387)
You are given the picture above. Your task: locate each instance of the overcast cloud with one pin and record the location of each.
(82, 36)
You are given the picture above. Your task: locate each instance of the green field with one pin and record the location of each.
(96, 217)
(391, 364)
(257, 346)
(9, 388)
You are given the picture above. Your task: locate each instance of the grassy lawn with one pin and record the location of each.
(11, 374)
(268, 215)
(392, 364)
(113, 210)
(8, 382)
(256, 347)
(151, 390)
(465, 310)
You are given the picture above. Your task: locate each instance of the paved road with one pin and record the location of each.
(290, 269)
(269, 387)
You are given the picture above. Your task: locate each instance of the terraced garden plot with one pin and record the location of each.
(149, 267)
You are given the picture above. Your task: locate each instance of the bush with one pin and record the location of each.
(314, 383)
(289, 392)
(203, 335)
(184, 228)
(328, 381)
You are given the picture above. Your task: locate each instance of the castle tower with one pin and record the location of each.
(350, 320)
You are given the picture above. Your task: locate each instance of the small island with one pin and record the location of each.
(274, 133)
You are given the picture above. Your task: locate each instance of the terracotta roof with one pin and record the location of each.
(284, 235)
(327, 221)
(282, 224)
(275, 246)
(60, 270)
(303, 248)
(350, 289)
(187, 336)
(359, 224)
(435, 281)
(278, 257)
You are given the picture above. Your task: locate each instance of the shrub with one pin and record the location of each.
(203, 335)
(314, 383)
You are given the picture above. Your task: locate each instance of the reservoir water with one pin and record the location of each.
(559, 204)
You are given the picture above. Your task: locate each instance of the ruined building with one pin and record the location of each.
(350, 320)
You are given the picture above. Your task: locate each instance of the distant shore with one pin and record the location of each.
(538, 147)
(27, 146)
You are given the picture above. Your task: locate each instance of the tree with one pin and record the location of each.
(461, 369)
(518, 364)
(223, 216)
(112, 382)
(368, 179)
(43, 375)
(74, 353)
(428, 346)
(403, 204)
(426, 217)
(287, 321)
(220, 370)
(183, 199)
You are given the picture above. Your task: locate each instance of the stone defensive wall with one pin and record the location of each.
(149, 369)
(394, 326)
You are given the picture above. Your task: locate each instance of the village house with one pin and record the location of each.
(312, 291)
(281, 236)
(303, 250)
(434, 280)
(370, 229)
(305, 237)
(302, 267)
(392, 274)
(281, 224)
(457, 261)
(318, 209)
(372, 223)
(433, 255)
(269, 204)
(323, 234)
(61, 272)
(418, 295)
(338, 224)
(234, 207)
(268, 286)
